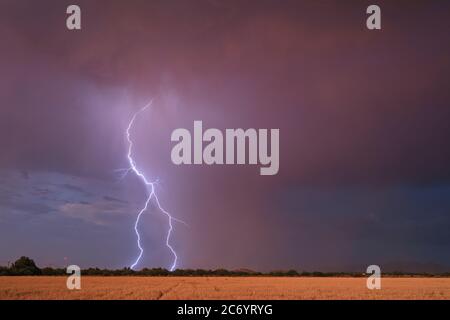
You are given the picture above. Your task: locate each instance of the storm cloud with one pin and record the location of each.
(363, 119)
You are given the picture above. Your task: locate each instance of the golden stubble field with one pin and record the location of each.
(131, 288)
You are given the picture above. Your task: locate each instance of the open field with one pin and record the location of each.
(93, 287)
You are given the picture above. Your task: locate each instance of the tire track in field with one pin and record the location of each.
(166, 292)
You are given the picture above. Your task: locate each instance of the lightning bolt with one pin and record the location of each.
(151, 194)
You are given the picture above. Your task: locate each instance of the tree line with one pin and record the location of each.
(25, 266)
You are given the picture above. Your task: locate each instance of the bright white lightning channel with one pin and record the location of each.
(151, 191)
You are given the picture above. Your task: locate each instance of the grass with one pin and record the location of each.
(130, 288)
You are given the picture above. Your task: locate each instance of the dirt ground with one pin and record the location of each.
(285, 288)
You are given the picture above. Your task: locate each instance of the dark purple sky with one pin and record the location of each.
(363, 116)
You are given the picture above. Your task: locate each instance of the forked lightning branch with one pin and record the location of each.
(151, 195)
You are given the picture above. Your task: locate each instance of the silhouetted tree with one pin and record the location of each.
(292, 273)
(4, 271)
(25, 266)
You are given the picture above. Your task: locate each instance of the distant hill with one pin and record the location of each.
(244, 270)
(415, 267)
(396, 267)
